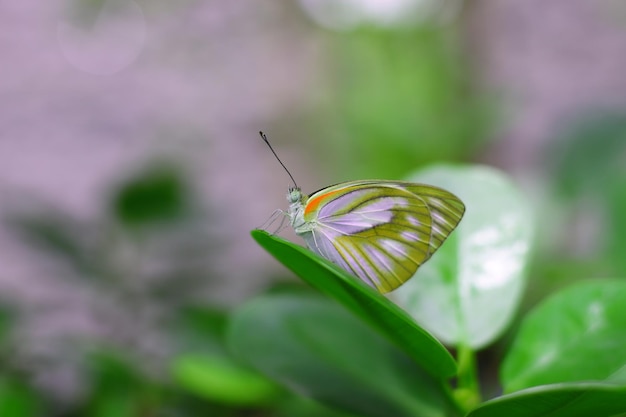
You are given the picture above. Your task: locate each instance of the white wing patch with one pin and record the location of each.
(410, 236)
(351, 223)
(412, 220)
(374, 212)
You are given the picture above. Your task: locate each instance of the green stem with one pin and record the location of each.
(467, 392)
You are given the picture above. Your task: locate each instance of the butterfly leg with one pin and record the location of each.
(278, 213)
(282, 224)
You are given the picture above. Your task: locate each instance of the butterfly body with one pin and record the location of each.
(380, 231)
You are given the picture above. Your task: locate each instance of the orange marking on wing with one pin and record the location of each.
(313, 204)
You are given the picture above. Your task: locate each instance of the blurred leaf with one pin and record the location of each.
(112, 372)
(467, 293)
(577, 334)
(305, 407)
(583, 399)
(206, 320)
(220, 379)
(117, 404)
(362, 300)
(18, 401)
(617, 226)
(317, 349)
(202, 328)
(118, 388)
(405, 100)
(589, 160)
(56, 233)
(159, 194)
(6, 320)
(554, 273)
(589, 155)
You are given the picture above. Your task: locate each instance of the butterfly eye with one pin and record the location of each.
(294, 195)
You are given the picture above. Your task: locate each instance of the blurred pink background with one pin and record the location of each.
(89, 95)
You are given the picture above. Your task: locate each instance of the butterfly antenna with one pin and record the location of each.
(281, 162)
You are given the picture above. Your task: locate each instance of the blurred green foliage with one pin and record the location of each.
(589, 169)
(5, 323)
(152, 214)
(18, 400)
(118, 388)
(156, 195)
(57, 234)
(401, 99)
(589, 155)
(17, 397)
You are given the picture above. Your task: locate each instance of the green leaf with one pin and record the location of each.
(201, 328)
(616, 232)
(393, 87)
(220, 379)
(56, 233)
(467, 293)
(6, 323)
(118, 388)
(17, 400)
(589, 172)
(588, 154)
(295, 406)
(363, 301)
(115, 404)
(563, 400)
(577, 334)
(317, 349)
(157, 195)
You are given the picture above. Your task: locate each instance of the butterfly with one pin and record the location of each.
(378, 230)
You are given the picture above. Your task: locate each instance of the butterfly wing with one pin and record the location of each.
(381, 231)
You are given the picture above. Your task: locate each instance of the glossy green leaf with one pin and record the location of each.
(317, 349)
(467, 293)
(577, 334)
(222, 380)
(586, 399)
(363, 301)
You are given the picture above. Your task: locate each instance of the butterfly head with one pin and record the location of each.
(294, 195)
